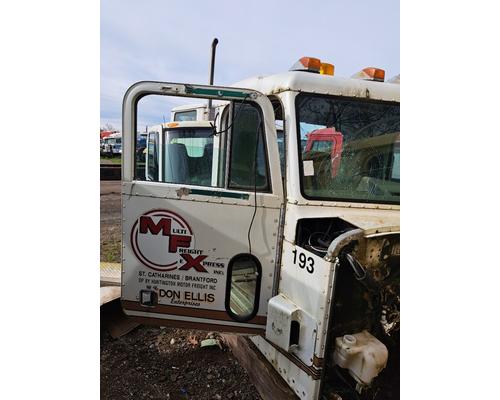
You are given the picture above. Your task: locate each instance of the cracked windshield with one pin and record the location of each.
(349, 149)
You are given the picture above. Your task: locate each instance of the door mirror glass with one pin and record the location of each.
(243, 287)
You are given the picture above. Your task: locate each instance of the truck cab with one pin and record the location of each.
(325, 145)
(237, 228)
(112, 145)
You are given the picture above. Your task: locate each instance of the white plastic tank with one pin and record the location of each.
(362, 354)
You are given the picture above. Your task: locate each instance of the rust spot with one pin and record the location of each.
(182, 192)
(317, 362)
(278, 331)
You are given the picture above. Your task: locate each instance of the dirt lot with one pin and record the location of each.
(161, 363)
(155, 363)
(110, 221)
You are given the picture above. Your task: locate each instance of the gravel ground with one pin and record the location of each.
(161, 363)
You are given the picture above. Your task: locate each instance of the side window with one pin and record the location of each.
(223, 114)
(248, 162)
(188, 155)
(185, 116)
(395, 163)
(281, 147)
(280, 132)
(243, 287)
(152, 157)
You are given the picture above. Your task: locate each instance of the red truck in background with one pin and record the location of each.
(326, 140)
(104, 134)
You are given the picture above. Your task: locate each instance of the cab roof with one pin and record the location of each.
(302, 81)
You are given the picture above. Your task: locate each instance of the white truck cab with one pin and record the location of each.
(230, 231)
(112, 144)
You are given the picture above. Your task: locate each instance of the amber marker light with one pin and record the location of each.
(309, 64)
(370, 74)
(327, 69)
(376, 74)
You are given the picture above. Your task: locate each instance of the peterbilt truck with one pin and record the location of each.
(218, 234)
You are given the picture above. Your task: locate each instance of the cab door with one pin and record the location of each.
(200, 228)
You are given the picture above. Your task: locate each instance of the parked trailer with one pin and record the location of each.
(305, 258)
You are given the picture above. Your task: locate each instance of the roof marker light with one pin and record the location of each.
(172, 124)
(327, 69)
(309, 64)
(370, 74)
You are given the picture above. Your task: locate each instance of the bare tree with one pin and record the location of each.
(108, 127)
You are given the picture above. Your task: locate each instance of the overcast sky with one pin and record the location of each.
(170, 40)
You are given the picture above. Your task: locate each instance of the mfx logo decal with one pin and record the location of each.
(163, 241)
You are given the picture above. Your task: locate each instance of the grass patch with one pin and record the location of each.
(111, 160)
(111, 251)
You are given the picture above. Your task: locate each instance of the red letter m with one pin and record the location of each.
(147, 224)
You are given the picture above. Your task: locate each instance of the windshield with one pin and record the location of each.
(360, 161)
(114, 141)
(321, 145)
